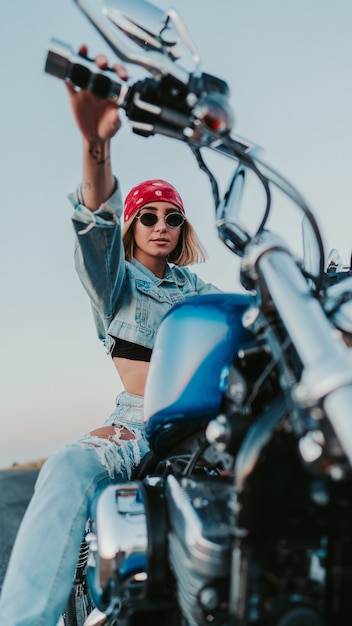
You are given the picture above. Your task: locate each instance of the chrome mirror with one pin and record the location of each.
(145, 24)
(141, 33)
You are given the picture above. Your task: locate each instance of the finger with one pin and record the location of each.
(114, 119)
(101, 61)
(120, 70)
(83, 50)
(70, 88)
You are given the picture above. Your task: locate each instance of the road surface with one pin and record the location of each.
(16, 488)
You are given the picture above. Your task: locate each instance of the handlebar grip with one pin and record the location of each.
(62, 62)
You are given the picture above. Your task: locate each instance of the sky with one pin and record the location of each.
(288, 66)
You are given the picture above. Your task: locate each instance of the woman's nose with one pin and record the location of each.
(161, 223)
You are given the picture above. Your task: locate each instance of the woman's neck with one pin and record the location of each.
(156, 265)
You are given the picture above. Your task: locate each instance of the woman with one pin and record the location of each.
(131, 285)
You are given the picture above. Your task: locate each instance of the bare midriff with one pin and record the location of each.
(133, 374)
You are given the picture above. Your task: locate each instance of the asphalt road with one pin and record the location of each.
(16, 488)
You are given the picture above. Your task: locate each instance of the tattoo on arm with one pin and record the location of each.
(98, 155)
(86, 185)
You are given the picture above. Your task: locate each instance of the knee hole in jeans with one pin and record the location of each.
(115, 434)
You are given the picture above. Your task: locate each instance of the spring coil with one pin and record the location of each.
(83, 555)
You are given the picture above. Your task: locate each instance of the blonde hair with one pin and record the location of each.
(188, 251)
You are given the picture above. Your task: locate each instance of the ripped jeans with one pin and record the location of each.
(43, 560)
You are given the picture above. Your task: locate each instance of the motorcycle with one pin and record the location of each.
(241, 513)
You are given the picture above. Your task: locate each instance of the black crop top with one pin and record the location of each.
(132, 351)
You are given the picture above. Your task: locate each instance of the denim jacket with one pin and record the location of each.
(128, 300)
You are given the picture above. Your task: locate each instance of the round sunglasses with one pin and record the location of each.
(174, 220)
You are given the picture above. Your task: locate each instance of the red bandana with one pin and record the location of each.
(151, 191)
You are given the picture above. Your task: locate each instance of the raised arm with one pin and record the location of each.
(98, 121)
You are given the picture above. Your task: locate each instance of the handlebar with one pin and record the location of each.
(198, 109)
(62, 62)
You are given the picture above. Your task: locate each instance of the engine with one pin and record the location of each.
(200, 545)
(163, 547)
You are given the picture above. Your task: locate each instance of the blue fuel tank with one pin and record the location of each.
(195, 345)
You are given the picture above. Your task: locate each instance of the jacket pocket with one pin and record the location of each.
(152, 304)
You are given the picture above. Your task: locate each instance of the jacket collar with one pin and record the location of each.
(172, 275)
